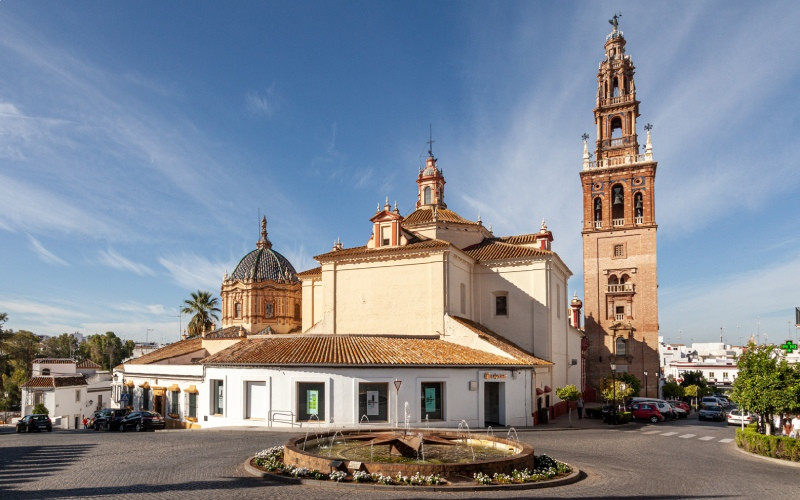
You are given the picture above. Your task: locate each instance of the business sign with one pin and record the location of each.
(494, 376)
(372, 403)
(312, 402)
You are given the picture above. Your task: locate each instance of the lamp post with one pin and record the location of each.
(645, 383)
(614, 393)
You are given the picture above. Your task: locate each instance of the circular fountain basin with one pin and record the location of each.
(446, 453)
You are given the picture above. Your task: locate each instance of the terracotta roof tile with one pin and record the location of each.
(425, 216)
(495, 249)
(176, 349)
(500, 342)
(57, 361)
(310, 273)
(55, 381)
(231, 332)
(88, 363)
(358, 350)
(520, 239)
(364, 251)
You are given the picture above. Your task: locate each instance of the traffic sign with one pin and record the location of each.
(124, 397)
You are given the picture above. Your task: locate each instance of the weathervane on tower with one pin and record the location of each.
(615, 20)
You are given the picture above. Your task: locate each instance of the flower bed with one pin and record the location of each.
(271, 460)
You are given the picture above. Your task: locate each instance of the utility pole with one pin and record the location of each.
(147, 336)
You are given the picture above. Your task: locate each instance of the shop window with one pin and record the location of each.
(373, 401)
(311, 401)
(431, 400)
(218, 397)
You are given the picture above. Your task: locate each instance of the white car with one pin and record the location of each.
(738, 416)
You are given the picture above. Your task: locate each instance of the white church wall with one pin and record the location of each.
(459, 285)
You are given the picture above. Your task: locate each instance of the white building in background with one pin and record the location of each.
(434, 320)
(69, 390)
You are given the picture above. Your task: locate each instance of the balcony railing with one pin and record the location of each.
(616, 161)
(638, 220)
(598, 224)
(619, 317)
(620, 288)
(605, 101)
(617, 222)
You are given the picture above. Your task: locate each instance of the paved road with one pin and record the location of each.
(686, 459)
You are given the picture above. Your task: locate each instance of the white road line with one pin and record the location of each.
(706, 438)
(726, 440)
(669, 433)
(687, 436)
(652, 432)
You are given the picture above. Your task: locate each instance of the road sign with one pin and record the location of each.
(124, 397)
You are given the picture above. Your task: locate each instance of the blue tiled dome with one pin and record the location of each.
(264, 264)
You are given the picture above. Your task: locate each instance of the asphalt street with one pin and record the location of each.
(683, 459)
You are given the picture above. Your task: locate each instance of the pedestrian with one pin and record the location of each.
(85, 421)
(580, 407)
(795, 426)
(787, 425)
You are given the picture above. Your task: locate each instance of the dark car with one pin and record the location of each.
(90, 422)
(142, 421)
(711, 412)
(109, 418)
(30, 423)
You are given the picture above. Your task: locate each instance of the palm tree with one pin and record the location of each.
(204, 307)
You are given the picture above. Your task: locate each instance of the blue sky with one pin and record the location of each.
(139, 141)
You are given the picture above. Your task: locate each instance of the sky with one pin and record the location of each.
(141, 141)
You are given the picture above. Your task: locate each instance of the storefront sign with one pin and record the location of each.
(430, 399)
(494, 376)
(312, 398)
(372, 403)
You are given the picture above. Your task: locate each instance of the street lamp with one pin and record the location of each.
(614, 393)
(645, 383)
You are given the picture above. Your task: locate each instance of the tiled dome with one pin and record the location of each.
(264, 263)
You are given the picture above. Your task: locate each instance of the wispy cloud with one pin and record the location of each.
(39, 309)
(45, 254)
(114, 260)
(262, 103)
(195, 272)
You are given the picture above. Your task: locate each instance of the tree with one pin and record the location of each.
(63, 346)
(616, 391)
(766, 384)
(695, 378)
(568, 393)
(203, 305)
(672, 390)
(5, 356)
(106, 350)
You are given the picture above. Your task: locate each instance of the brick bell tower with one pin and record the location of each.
(619, 231)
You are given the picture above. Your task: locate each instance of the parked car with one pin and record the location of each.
(682, 405)
(711, 412)
(646, 411)
(91, 420)
(664, 407)
(737, 416)
(35, 422)
(142, 421)
(109, 419)
(712, 400)
(678, 411)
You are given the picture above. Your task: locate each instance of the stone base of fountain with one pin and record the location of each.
(409, 443)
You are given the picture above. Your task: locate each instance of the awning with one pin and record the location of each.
(145, 385)
(174, 388)
(192, 390)
(129, 383)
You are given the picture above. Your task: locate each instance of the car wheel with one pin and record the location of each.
(121, 428)
(654, 419)
(28, 429)
(19, 429)
(139, 427)
(96, 427)
(49, 429)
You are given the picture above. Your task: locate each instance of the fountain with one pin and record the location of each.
(453, 454)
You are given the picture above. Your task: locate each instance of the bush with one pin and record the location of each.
(41, 409)
(782, 447)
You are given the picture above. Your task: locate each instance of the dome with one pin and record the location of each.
(264, 263)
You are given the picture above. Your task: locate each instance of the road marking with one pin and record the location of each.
(687, 436)
(706, 438)
(669, 433)
(726, 440)
(652, 432)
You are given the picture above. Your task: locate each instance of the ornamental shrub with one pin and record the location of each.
(782, 447)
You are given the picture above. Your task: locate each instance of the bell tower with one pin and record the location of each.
(619, 230)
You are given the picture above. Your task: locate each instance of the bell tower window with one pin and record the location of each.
(638, 207)
(616, 126)
(426, 196)
(618, 205)
(598, 213)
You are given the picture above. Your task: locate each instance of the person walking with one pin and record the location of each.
(85, 421)
(795, 426)
(579, 404)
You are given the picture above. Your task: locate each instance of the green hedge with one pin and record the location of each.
(783, 447)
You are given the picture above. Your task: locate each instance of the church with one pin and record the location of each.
(434, 320)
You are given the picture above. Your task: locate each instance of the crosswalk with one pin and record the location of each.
(653, 432)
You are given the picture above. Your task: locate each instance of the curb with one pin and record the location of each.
(573, 477)
(777, 461)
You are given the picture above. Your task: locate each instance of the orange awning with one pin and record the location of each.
(192, 390)
(174, 388)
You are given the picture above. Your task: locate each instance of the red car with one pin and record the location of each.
(646, 411)
(682, 405)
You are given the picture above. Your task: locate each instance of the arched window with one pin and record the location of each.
(616, 125)
(621, 347)
(638, 206)
(598, 209)
(238, 313)
(618, 204)
(613, 280)
(616, 88)
(426, 196)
